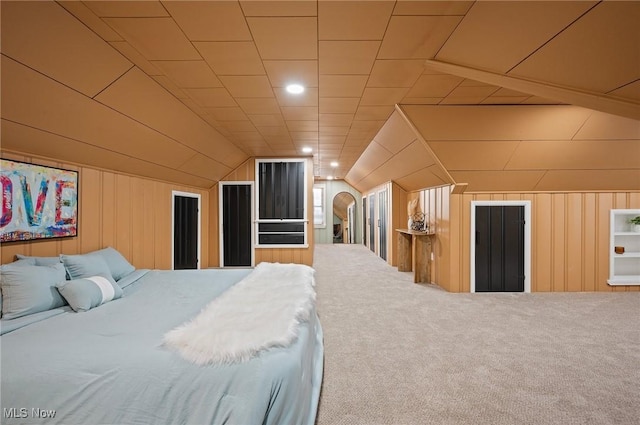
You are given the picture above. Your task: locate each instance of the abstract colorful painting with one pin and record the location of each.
(38, 202)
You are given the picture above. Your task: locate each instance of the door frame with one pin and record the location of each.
(351, 219)
(175, 193)
(364, 205)
(221, 220)
(372, 225)
(527, 239)
(379, 230)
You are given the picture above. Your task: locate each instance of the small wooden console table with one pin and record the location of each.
(414, 254)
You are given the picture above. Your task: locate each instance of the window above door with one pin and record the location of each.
(281, 203)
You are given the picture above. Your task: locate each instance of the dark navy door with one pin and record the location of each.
(236, 225)
(185, 232)
(499, 249)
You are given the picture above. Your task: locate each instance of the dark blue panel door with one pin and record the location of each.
(236, 224)
(499, 249)
(185, 233)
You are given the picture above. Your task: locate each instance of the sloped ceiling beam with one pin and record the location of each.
(595, 101)
(425, 144)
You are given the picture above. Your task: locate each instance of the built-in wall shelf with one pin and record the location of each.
(624, 281)
(628, 255)
(624, 268)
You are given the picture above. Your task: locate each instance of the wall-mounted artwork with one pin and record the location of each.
(38, 202)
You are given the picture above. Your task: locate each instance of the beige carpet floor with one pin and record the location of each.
(401, 353)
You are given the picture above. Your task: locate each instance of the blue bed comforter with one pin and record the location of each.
(107, 365)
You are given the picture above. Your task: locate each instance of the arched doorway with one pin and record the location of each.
(344, 218)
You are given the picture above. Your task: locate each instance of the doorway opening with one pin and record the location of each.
(500, 246)
(344, 218)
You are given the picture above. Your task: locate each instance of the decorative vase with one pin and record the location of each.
(636, 228)
(410, 223)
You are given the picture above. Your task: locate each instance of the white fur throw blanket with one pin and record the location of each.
(261, 311)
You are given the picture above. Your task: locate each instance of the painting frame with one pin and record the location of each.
(39, 202)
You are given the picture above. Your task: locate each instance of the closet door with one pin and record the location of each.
(186, 223)
(499, 262)
(351, 214)
(372, 221)
(365, 225)
(236, 248)
(383, 218)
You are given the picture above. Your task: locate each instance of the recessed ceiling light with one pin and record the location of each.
(295, 88)
(329, 177)
(334, 164)
(307, 149)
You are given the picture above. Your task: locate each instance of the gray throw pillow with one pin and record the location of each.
(28, 289)
(85, 265)
(40, 261)
(118, 265)
(19, 262)
(89, 292)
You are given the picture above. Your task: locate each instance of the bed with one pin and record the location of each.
(109, 365)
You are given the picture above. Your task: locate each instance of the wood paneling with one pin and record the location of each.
(48, 38)
(131, 214)
(397, 153)
(516, 27)
(451, 240)
(541, 251)
(613, 18)
(444, 213)
(138, 75)
(398, 219)
(558, 239)
(569, 239)
(440, 212)
(574, 254)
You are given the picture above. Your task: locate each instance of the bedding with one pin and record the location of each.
(108, 365)
(275, 300)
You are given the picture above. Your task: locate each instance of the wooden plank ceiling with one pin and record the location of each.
(499, 95)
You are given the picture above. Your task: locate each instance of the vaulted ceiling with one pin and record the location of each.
(497, 95)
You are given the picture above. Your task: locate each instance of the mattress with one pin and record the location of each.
(108, 365)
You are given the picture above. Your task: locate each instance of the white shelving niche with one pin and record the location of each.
(624, 269)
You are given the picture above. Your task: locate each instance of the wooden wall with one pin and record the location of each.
(131, 214)
(398, 220)
(570, 237)
(246, 172)
(435, 204)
